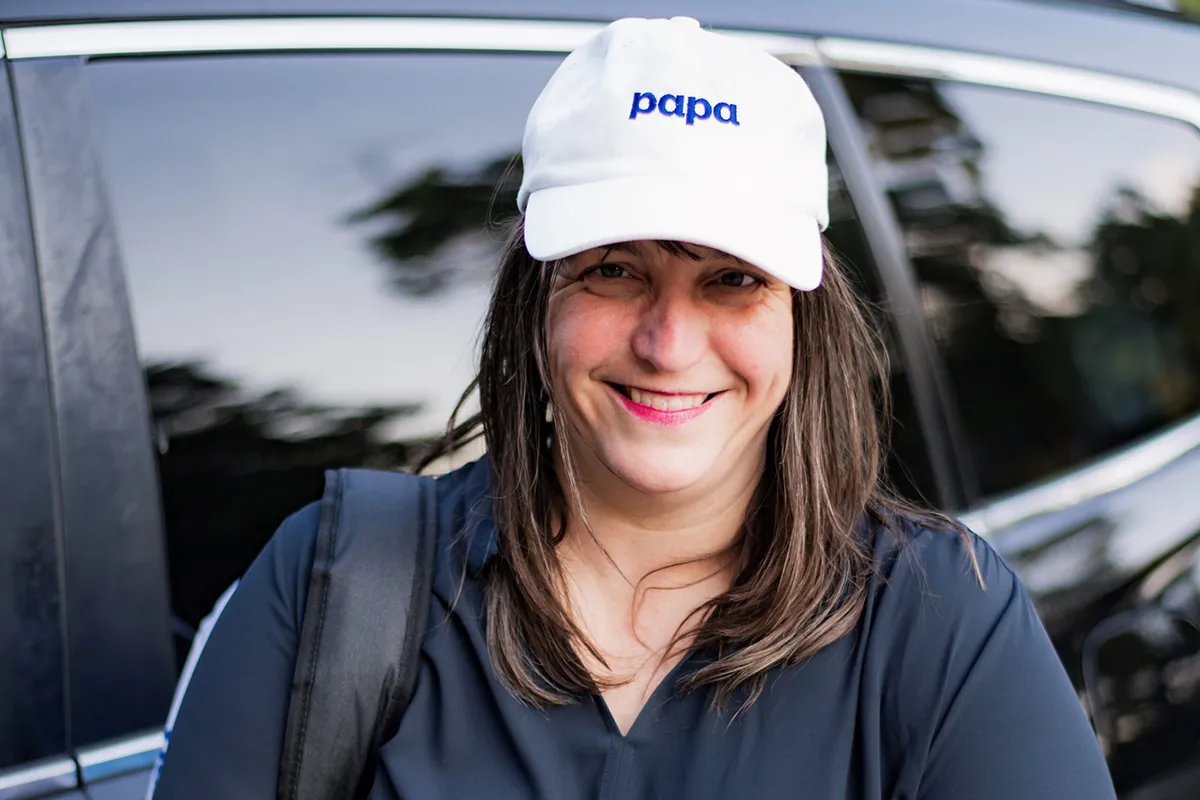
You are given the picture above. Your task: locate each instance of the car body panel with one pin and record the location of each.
(120, 664)
(32, 672)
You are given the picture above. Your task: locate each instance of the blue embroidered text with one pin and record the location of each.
(676, 105)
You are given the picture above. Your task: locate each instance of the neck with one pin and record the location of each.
(666, 540)
(641, 567)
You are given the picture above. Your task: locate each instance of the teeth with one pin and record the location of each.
(666, 402)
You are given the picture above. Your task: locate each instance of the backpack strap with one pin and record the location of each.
(364, 622)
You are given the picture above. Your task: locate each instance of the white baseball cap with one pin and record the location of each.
(658, 129)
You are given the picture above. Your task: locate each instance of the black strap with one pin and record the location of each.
(367, 609)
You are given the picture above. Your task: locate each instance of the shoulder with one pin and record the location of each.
(929, 613)
(281, 571)
(950, 572)
(466, 527)
(464, 487)
(458, 491)
(294, 538)
(963, 677)
(930, 616)
(288, 556)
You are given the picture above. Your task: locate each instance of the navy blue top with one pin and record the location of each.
(943, 691)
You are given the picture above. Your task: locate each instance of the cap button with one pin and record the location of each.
(691, 23)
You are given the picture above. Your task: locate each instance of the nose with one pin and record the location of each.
(672, 333)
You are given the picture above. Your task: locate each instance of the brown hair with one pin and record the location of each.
(804, 564)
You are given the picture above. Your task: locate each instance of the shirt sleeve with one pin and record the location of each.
(228, 734)
(1003, 717)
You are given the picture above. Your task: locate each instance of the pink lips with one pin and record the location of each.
(659, 417)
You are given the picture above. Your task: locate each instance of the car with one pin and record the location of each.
(245, 242)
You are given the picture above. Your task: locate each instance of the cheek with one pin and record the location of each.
(583, 334)
(760, 349)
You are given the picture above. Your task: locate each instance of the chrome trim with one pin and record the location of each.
(325, 33)
(121, 757)
(797, 51)
(247, 35)
(1011, 73)
(1109, 474)
(40, 779)
(331, 33)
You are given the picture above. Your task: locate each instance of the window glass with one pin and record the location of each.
(1057, 248)
(308, 244)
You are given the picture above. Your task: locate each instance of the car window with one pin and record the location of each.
(1057, 249)
(308, 243)
(308, 250)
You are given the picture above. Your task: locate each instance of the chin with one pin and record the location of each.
(658, 472)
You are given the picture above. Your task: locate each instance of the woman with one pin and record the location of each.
(677, 573)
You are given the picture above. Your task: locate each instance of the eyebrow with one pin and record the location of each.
(638, 248)
(619, 247)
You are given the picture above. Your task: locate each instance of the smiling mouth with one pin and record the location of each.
(661, 401)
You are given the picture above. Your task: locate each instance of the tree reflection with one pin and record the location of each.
(233, 464)
(439, 227)
(930, 163)
(1056, 351)
(1148, 268)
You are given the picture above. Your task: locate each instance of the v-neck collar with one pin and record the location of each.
(664, 692)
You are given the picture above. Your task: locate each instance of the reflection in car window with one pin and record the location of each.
(1057, 248)
(308, 256)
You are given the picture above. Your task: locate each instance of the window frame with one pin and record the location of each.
(819, 57)
(119, 664)
(39, 779)
(32, 543)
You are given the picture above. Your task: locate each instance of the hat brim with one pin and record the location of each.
(762, 231)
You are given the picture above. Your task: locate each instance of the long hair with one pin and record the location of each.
(804, 560)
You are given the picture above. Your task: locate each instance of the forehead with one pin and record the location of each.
(653, 249)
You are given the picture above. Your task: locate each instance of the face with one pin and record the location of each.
(668, 368)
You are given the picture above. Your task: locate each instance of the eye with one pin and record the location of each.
(612, 280)
(608, 271)
(733, 279)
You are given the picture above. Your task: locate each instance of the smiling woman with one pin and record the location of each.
(676, 397)
(678, 571)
